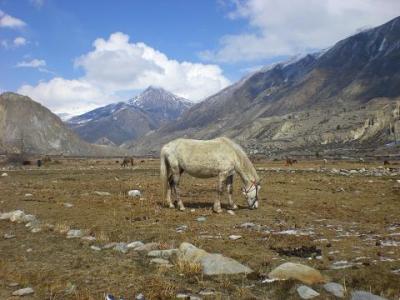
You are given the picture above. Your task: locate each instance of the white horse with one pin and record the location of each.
(220, 158)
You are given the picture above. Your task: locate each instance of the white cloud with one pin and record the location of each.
(63, 95)
(9, 21)
(19, 41)
(115, 65)
(34, 63)
(279, 27)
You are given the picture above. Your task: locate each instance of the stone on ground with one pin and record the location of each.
(121, 247)
(306, 292)
(296, 271)
(148, 247)
(134, 193)
(135, 244)
(335, 289)
(23, 292)
(74, 233)
(102, 193)
(211, 263)
(362, 295)
(160, 261)
(163, 253)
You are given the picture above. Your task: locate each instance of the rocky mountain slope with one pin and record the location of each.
(26, 126)
(345, 97)
(120, 122)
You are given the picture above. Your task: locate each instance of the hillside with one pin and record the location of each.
(346, 97)
(27, 126)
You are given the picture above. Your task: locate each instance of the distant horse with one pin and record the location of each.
(290, 161)
(386, 163)
(126, 161)
(220, 158)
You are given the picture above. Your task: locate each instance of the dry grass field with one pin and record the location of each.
(352, 218)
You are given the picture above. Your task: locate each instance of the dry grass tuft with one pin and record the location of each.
(188, 268)
(62, 228)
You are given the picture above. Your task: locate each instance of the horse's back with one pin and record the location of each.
(201, 158)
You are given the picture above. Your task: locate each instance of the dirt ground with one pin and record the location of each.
(354, 221)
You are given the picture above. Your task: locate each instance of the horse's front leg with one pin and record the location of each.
(217, 202)
(229, 188)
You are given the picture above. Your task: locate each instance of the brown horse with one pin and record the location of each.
(126, 161)
(290, 161)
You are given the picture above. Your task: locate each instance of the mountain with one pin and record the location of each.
(345, 97)
(160, 104)
(27, 126)
(121, 122)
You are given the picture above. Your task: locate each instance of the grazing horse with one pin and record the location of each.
(126, 161)
(219, 157)
(290, 161)
(386, 163)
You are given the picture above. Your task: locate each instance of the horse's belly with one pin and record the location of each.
(202, 172)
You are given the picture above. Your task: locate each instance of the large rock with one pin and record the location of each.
(211, 263)
(148, 247)
(296, 271)
(306, 292)
(335, 289)
(361, 295)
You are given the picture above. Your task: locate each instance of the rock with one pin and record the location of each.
(163, 253)
(134, 193)
(148, 247)
(247, 225)
(181, 228)
(17, 216)
(201, 219)
(28, 218)
(361, 295)
(29, 250)
(335, 289)
(235, 237)
(68, 205)
(4, 175)
(231, 212)
(140, 297)
(306, 293)
(102, 193)
(135, 244)
(88, 238)
(121, 247)
(23, 292)
(13, 284)
(74, 233)
(36, 229)
(211, 263)
(160, 261)
(95, 248)
(9, 236)
(206, 292)
(300, 272)
(28, 195)
(109, 245)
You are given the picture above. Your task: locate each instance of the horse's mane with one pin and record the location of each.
(244, 161)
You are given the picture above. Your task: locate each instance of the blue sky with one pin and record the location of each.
(76, 55)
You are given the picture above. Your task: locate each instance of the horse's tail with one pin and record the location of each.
(164, 175)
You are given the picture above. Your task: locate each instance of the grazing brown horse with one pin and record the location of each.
(126, 161)
(290, 161)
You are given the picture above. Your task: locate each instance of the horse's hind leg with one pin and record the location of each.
(217, 202)
(169, 191)
(175, 179)
(229, 188)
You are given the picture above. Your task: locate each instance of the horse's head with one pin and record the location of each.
(251, 194)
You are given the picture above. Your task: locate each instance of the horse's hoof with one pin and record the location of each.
(182, 208)
(171, 205)
(217, 211)
(234, 207)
